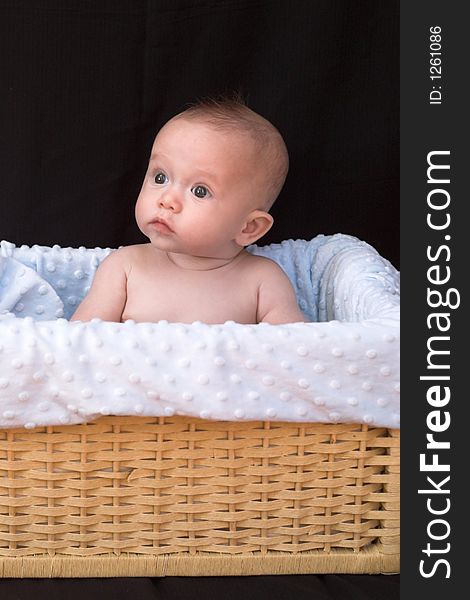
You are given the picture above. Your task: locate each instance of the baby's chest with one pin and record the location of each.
(197, 297)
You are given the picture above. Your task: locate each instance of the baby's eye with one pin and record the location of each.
(200, 191)
(161, 178)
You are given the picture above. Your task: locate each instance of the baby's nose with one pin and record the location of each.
(171, 201)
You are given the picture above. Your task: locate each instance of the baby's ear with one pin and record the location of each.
(256, 225)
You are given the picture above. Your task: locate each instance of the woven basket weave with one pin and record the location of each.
(178, 496)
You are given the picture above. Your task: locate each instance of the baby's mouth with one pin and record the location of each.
(161, 226)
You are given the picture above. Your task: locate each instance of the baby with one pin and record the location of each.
(214, 172)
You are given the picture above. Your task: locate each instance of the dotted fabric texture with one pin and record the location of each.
(343, 366)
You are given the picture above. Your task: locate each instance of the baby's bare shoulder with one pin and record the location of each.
(135, 255)
(277, 302)
(263, 268)
(136, 251)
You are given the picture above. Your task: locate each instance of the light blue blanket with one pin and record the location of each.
(341, 367)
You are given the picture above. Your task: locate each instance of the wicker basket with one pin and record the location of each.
(135, 496)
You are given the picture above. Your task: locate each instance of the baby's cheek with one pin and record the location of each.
(141, 224)
(138, 219)
(140, 212)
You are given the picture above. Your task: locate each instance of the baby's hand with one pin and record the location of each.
(107, 296)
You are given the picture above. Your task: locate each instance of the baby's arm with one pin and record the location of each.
(107, 296)
(277, 302)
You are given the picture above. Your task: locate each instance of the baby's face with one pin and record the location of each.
(200, 186)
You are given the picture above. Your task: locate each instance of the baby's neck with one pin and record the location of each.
(201, 263)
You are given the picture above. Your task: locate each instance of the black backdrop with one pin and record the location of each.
(85, 85)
